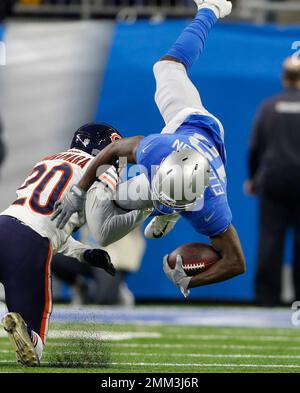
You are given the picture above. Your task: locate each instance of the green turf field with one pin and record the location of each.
(128, 348)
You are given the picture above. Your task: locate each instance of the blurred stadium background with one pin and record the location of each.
(69, 62)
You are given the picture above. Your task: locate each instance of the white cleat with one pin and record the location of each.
(18, 335)
(160, 226)
(221, 8)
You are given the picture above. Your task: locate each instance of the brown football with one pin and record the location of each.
(197, 257)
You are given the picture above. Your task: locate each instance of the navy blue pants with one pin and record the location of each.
(25, 272)
(272, 238)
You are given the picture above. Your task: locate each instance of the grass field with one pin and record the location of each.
(127, 348)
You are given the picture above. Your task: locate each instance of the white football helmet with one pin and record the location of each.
(180, 180)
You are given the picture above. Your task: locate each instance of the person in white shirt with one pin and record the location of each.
(28, 238)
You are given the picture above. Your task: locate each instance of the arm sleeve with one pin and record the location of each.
(257, 141)
(73, 248)
(107, 222)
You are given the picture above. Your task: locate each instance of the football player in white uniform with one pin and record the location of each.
(29, 238)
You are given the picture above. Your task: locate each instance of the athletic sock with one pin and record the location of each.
(212, 7)
(190, 43)
(38, 344)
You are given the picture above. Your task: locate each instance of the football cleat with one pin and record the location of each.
(18, 335)
(160, 226)
(223, 7)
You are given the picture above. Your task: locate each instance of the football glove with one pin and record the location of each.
(100, 259)
(177, 275)
(72, 202)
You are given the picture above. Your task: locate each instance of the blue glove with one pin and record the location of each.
(100, 259)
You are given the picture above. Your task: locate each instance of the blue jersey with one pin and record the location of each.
(202, 134)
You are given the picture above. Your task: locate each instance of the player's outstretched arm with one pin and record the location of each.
(232, 263)
(74, 200)
(123, 148)
(83, 253)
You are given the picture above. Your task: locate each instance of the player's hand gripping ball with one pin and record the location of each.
(196, 258)
(187, 261)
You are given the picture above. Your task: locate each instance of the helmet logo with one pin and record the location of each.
(115, 136)
(85, 142)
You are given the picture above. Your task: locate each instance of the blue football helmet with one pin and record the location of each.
(94, 137)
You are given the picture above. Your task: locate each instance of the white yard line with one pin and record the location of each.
(185, 355)
(208, 365)
(119, 336)
(197, 345)
(173, 346)
(181, 346)
(115, 336)
(235, 337)
(94, 335)
(228, 329)
(143, 364)
(208, 355)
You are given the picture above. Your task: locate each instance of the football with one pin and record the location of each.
(196, 257)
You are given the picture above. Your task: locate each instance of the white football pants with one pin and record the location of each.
(176, 96)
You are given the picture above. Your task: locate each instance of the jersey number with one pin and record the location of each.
(43, 177)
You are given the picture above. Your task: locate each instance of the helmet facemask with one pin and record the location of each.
(180, 180)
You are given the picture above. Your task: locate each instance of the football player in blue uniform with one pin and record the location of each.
(184, 164)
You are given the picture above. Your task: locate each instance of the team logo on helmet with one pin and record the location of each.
(85, 142)
(94, 137)
(115, 136)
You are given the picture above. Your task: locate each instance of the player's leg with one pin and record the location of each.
(160, 226)
(70, 270)
(296, 256)
(107, 219)
(28, 346)
(176, 96)
(74, 273)
(26, 275)
(273, 228)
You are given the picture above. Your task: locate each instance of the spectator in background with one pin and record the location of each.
(6, 8)
(126, 255)
(2, 156)
(2, 148)
(88, 286)
(274, 175)
(271, 15)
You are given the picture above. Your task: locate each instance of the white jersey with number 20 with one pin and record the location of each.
(49, 180)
